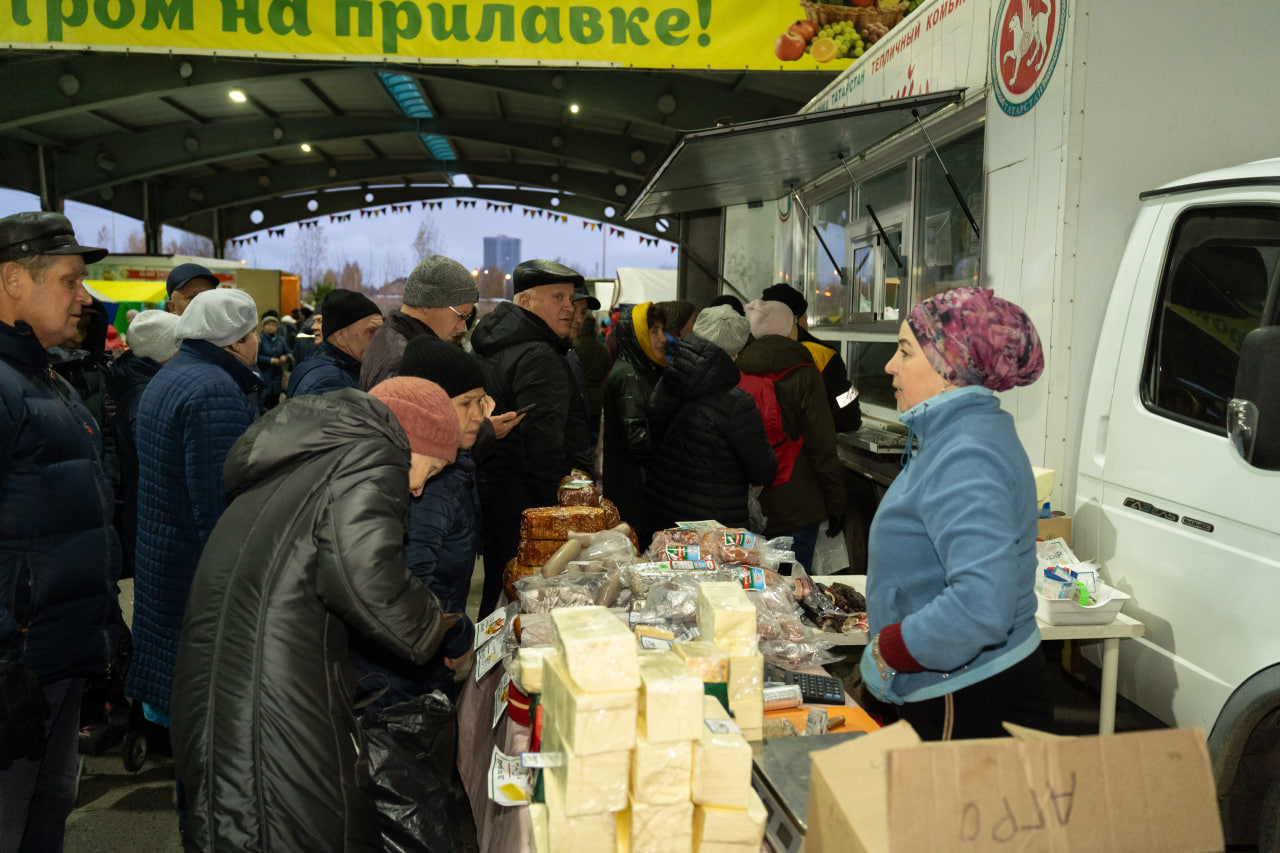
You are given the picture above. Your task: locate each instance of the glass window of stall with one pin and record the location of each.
(824, 286)
(950, 251)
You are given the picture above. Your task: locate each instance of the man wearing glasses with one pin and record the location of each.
(439, 300)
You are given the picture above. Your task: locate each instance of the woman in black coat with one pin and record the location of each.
(707, 442)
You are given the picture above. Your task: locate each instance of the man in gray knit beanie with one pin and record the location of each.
(439, 300)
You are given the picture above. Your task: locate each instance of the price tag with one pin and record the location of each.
(817, 722)
(655, 643)
(500, 698)
(723, 727)
(509, 783)
(538, 760)
(487, 658)
(688, 636)
(491, 626)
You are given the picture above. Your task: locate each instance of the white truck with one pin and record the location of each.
(1041, 148)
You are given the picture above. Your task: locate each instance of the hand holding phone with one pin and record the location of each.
(523, 409)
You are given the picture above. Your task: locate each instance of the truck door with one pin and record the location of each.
(1187, 527)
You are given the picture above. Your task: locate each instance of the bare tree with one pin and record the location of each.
(351, 277)
(137, 244)
(104, 238)
(429, 241)
(310, 246)
(186, 243)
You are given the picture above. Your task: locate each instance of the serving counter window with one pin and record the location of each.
(825, 283)
(951, 250)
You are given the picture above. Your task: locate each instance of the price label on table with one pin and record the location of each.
(510, 784)
(500, 698)
(487, 658)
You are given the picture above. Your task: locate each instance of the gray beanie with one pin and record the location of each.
(440, 282)
(221, 316)
(724, 327)
(151, 335)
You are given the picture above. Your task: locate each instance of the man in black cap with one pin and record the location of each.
(841, 395)
(351, 320)
(59, 557)
(524, 343)
(186, 282)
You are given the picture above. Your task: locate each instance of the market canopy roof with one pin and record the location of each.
(158, 138)
(764, 160)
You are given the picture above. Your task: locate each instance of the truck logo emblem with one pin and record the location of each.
(1024, 50)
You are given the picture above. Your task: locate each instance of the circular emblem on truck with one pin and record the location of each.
(1024, 50)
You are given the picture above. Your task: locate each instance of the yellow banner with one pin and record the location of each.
(717, 34)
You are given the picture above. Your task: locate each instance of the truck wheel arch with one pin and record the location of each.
(1244, 748)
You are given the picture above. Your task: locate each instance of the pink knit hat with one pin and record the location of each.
(425, 414)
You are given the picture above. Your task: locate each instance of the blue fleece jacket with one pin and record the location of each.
(952, 550)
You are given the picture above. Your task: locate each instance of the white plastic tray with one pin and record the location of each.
(1057, 611)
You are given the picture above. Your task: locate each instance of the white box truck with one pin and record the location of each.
(1041, 148)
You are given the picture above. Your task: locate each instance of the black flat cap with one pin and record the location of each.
(529, 274)
(580, 293)
(788, 296)
(25, 235)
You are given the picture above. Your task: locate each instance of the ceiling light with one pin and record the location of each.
(106, 162)
(69, 84)
(191, 144)
(277, 133)
(666, 104)
(185, 70)
(237, 96)
(573, 108)
(306, 146)
(620, 190)
(638, 157)
(195, 194)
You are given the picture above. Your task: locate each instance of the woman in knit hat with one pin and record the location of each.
(952, 553)
(444, 529)
(308, 555)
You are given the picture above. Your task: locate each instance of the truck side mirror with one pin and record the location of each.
(1253, 418)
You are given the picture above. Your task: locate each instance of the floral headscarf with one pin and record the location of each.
(972, 337)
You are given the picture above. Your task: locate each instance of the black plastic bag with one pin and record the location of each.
(412, 749)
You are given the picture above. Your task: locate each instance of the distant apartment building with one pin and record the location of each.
(501, 254)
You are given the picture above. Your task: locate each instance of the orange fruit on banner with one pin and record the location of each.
(823, 50)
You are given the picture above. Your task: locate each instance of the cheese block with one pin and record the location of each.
(748, 715)
(596, 649)
(538, 841)
(658, 828)
(660, 772)
(536, 552)
(716, 828)
(721, 761)
(670, 697)
(529, 663)
(746, 680)
(555, 522)
(704, 659)
(727, 618)
(590, 723)
(590, 833)
(753, 734)
(585, 784)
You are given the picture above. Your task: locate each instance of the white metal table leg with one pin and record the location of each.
(1110, 671)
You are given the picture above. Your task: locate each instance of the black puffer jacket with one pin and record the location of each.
(312, 546)
(129, 376)
(526, 365)
(815, 491)
(707, 442)
(835, 378)
(626, 413)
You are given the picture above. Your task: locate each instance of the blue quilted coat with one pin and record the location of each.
(269, 347)
(58, 552)
(328, 370)
(200, 402)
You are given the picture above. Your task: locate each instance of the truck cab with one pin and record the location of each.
(1178, 477)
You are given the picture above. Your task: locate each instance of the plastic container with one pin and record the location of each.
(1061, 611)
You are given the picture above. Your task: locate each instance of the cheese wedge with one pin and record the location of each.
(659, 829)
(704, 659)
(727, 618)
(591, 833)
(670, 698)
(596, 648)
(721, 761)
(731, 830)
(660, 772)
(590, 723)
(586, 784)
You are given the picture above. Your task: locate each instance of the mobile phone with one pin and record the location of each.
(523, 409)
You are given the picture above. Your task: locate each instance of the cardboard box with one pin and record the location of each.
(1058, 526)
(1138, 792)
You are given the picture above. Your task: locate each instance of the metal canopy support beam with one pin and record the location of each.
(219, 241)
(49, 198)
(151, 225)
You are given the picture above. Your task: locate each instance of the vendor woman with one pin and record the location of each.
(952, 551)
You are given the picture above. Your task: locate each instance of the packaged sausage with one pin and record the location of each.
(536, 552)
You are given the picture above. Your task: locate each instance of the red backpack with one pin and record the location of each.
(786, 448)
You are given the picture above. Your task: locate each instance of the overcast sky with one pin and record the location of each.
(383, 243)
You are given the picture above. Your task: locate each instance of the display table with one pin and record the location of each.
(1109, 635)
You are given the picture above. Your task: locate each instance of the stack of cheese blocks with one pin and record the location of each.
(642, 771)
(727, 618)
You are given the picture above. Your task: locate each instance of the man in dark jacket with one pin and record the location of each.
(439, 300)
(309, 552)
(815, 490)
(583, 304)
(186, 282)
(524, 344)
(351, 320)
(190, 415)
(846, 412)
(707, 442)
(273, 358)
(444, 528)
(58, 552)
(310, 336)
(152, 342)
(641, 358)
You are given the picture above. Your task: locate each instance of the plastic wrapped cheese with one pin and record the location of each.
(585, 784)
(660, 772)
(670, 696)
(657, 828)
(746, 692)
(704, 659)
(721, 760)
(590, 833)
(749, 715)
(727, 618)
(716, 828)
(527, 671)
(596, 648)
(590, 723)
(538, 841)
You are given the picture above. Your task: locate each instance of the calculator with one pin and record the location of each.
(814, 689)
